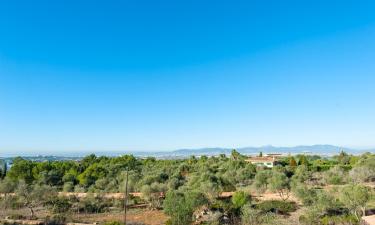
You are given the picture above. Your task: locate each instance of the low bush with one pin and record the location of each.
(56, 219)
(276, 206)
(329, 220)
(344, 219)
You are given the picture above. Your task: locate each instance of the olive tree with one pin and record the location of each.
(280, 182)
(335, 175)
(361, 173)
(151, 193)
(181, 205)
(7, 187)
(261, 180)
(355, 198)
(32, 196)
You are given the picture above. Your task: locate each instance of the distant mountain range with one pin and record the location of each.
(327, 150)
(310, 149)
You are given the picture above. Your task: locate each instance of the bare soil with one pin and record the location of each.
(149, 217)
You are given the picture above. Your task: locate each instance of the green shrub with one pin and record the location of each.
(343, 219)
(239, 199)
(113, 223)
(308, 196)
(276, 206)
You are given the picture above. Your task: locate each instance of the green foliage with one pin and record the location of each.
(338, 219)
(3, 169)
(7, 185)
(235, 154)
(261, 180)
(355, 198)
(363, 169)
(59, 204)
(32, 196)
(151, 193)
(314, 219)
(181, 205)
(292, 162)
(335, 175)
(302, 174)
(324, 205)
(280, 182)
(22, 170)
(343, 158)
(251, 216)
(113, 223)
(56, 219)
(239, 199)
(278, 207)
(308, 196)
(302, 160)
(92, 204)
(191, 182)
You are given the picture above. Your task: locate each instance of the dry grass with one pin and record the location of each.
(145, 216)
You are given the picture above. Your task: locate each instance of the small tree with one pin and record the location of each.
(31, 196)
(303, 160)
(7, 186)
(235, 154)
(292, 162)
(280, 182)
(181, 205)
(239, 199)
(302, 174)
(151, 193)
(335, 175)
(308, 196)
(361, 174)
(355, 198)
(343, 158)
(261, 180)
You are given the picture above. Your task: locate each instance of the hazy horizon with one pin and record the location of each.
(113, 152)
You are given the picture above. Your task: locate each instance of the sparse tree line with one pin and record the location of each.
(332, 190)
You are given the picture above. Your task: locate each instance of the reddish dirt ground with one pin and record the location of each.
(149, 217)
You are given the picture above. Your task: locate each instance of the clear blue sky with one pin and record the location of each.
(162, 75)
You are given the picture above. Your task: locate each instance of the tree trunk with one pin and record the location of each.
(32, 212)
(364, 211)
(356, 215)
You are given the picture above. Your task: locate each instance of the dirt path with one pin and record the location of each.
(149, 217)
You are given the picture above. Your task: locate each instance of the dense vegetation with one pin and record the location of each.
(327, 190)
